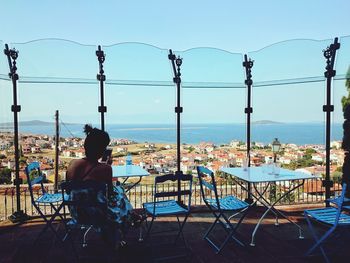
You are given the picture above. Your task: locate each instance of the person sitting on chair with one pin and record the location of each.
(90, 169)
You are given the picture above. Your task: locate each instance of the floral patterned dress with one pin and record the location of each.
(116, 210)
(119, 207)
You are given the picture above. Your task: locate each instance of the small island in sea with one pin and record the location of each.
(266, 122)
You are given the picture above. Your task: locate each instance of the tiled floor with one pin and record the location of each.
(273, 243)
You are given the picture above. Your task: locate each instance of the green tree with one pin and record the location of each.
(22, 160)
(336, 176)
(191, 149)
(5, 176)
(310, 151)
(345, 100)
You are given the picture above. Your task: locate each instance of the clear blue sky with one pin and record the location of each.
(236, 26)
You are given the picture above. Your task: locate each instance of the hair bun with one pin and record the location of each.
(87, 129)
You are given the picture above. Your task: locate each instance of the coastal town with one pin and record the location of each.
(158, 158)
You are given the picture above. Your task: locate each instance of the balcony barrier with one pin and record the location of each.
(51, 69)
(309, 193)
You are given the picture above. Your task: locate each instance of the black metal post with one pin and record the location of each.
(274, 158)
(12, 55)
(101, 77)
(178, 111)
(329, 54)
(248, 64)
(57, 141)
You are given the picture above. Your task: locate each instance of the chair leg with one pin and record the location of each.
(47, 225)
(318, 241)
(181, 226)
(211, 227)
(57, 211)
(140, 234)
(149, 228)
(206, 236)
(68, 235)
(232, 230)
(229, 236)
(227, 226)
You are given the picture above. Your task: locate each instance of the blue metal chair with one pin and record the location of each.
(331, 217)
(44, 199)
(219, 206)
(88, 204)
(171, 207)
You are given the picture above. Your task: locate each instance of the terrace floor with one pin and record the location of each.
(273, 243)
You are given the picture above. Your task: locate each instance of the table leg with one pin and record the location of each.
(271, 207)
(266, 203)
(133, 185)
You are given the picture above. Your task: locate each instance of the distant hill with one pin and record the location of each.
(29, 123)
(35, 123)
(266, 122)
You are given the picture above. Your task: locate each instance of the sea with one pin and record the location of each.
(296, 133)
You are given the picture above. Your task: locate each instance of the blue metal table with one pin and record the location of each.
(126, 172)
(259, 175)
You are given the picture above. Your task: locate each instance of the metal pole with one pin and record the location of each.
(248, 64)
(57, 140)
(329, 54)
(12, 55)
(101, 77)
(178, 111)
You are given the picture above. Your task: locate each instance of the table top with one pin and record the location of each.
(128, 171)
(258, 175)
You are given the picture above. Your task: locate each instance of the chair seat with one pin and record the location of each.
(328, 216)
(49, 198)
(228, 203)
(164, 208)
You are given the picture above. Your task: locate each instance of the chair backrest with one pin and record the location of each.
(87, 201)
(209, 184)
(160, 192)
(34, 176)
(339, 202)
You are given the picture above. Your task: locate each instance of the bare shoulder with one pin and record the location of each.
(74, 167)
(76, 163)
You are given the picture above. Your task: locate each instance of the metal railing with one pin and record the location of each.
(309, 193)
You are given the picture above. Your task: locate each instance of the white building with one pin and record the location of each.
(4, 145)
(234, 144)
(336, 144)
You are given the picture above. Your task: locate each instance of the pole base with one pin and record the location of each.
(18, 217)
